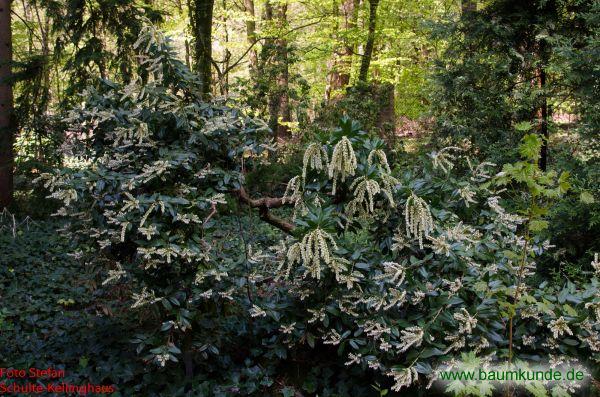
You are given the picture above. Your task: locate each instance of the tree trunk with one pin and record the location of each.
(341, 61)
(251, 36)
(543, 117)
(284, 77)
(268, 59)
(224, 79)
(201, 20)
(366, 60)
(187, 54)
(45, 40)
(276, 53)
(7, 117)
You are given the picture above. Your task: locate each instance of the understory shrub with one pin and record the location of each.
(387, 275)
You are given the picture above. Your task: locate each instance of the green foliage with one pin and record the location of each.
(389, 272)
(574, 221)
(490, 74)
(365, 102)
(396, 267)
(37, 151)
(155, 170)
(49, 306)
(375, 296)
(101, 35)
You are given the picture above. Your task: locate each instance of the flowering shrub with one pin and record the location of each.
(155, 167)
(400, 272)
(411, 271)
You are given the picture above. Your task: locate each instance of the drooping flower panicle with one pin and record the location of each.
(419, 222)
(343, 162)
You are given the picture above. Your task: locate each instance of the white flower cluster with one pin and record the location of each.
(332, 338)
(381, 160)
(343, 162)
(509, 220)
(145, 297)
(559, 327)
(365, 190)
(392, 272)
(353, 359)
(466, 323)
(596, 307)
(162, 359)
(65, 195)
(411, 336)
(444, 159)
(293, 191)
(440, 245)
(115, 274)
(596, 265)
(288, 329)
(466, 326)
(316, 248)
(467, 195)
(399, 241)
(419, 222)
(256, 311)
(403, 377)
(315, 157)
(479, 173)
(463, 233)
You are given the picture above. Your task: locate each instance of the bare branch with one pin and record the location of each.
(264, 204)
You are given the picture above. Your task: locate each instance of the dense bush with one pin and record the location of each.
(511, 65)
(389, 274)
(155, 169)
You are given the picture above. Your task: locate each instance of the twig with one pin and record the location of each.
(213, 210)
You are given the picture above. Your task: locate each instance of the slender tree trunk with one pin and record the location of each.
(332, 65)
(224, 79)
(201, 21)
(251, 36)
(45, 39)
(187, 54)
(543, 117)
(275, 53)
(7, 117)
(366, 60)
(284, 77)
(27, 17)
(267, 67)
(468, 6)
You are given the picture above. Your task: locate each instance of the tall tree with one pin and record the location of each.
(251, 35)
(96, 38)
(339, 76)
(275, 54)
(201, 20)
(283, 78)
(366, 58)
(485, 99)
(7, 120)
(543, 116)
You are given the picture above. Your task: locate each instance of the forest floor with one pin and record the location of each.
(56, 313)
(52, 313)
